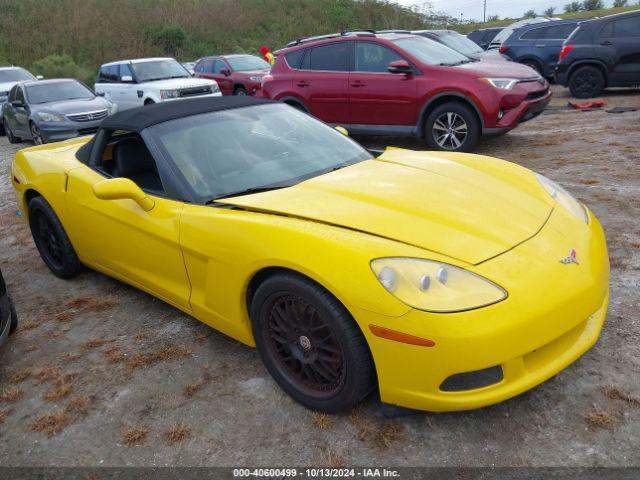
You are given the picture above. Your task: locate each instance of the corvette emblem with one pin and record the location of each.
(572, 258)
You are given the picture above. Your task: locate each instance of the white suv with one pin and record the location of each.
(132, 83)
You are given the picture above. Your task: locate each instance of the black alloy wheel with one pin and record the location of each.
(586, 82)
(310, 344)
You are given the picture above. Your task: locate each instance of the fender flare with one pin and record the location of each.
(292, 99)
(422, 117)
(588, 61)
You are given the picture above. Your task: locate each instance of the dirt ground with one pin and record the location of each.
(100, 374)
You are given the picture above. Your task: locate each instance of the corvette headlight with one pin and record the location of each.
(166, 94)
(256, 78)
(505, 83)
(564, 198)
(50, 117)
(435, 286)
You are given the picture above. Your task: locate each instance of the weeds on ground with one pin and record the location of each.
(20, 376)
(599, 418)
(93, 343)
(191, 389)
(140, 360)
(135, 435)
(321, 421)
(11, 395)
(176, 434)
(51, 423)
(3, 415)
(612, 392)
(331, 459)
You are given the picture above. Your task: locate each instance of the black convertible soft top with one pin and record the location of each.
(139, 118)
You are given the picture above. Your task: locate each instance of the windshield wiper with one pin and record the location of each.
(247, 191)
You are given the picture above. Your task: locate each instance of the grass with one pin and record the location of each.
(135, 435)
(60, 389)
(613, 392)
(469, 27)
(176, 434)
(93, 343)
(191, 389)
(599, 418)
(78, 405)
(114, 354)
(331, 459)
(20, 376)
(51, 423)
(3, 415)
(163, 354)
(321, 421)
(11, 395)
(383, 434)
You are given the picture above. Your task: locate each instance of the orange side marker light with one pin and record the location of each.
(400, 337)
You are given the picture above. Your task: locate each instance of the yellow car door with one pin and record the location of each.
(123, 240)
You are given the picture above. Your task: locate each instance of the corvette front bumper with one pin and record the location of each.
(554, 313)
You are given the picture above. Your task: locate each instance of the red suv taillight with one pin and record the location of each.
(503, 49)
(565, 51)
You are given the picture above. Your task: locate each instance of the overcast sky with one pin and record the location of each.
(472, 9)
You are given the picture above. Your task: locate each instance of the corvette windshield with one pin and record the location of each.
(248, 63)
(153, 70)
(249, 149)
(430, 52)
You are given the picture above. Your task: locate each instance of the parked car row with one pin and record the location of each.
(585, 55)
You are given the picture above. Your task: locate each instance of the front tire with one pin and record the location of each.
(10, 136)
(534, 65)
(310, 344)
(586, 82)
(452, 126)
(51, 240)
(14, 317)
(36, 136)
(240, 91)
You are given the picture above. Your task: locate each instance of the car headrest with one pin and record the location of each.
(132, 157)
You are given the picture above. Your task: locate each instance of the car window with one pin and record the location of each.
(294, 58)
(231, 151)
(162, 69)
(19, 95)
(373, 57)
(205, 66)
(430, 52)
(12, 94)
(627, 27)
(219, 65)
(332, 57)
(247, 63)
(607, 30)
(558, 32)
(533, 34)
(46, 92)
(109, 74)
(15, 75)
(460, 43)
(125, 71)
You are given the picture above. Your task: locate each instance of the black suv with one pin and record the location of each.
(601, 53)
(484, 36)
(8, 318)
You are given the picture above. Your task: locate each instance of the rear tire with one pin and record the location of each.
(452, 127)
(148, 101)
(586, 82)
(310, 344)
(52, 241)
(240, 91)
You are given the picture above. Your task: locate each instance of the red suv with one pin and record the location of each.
(402, 84)
(235, 74)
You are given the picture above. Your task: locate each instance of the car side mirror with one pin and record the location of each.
(342, 130)
(400, 66)
(126, 79)
(99, 94)
(122, 189)
(225, 72)
(39, 77)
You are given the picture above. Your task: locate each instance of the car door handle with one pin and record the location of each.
(302, 84)
(607, 42)
(358, 84)
(541, 45)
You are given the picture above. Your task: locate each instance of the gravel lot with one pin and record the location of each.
(102, 374)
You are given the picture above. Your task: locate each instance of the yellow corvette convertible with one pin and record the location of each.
(445, 281)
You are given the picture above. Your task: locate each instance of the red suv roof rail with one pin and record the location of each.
(343, 33)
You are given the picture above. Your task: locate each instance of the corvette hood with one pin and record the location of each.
(457, 205)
